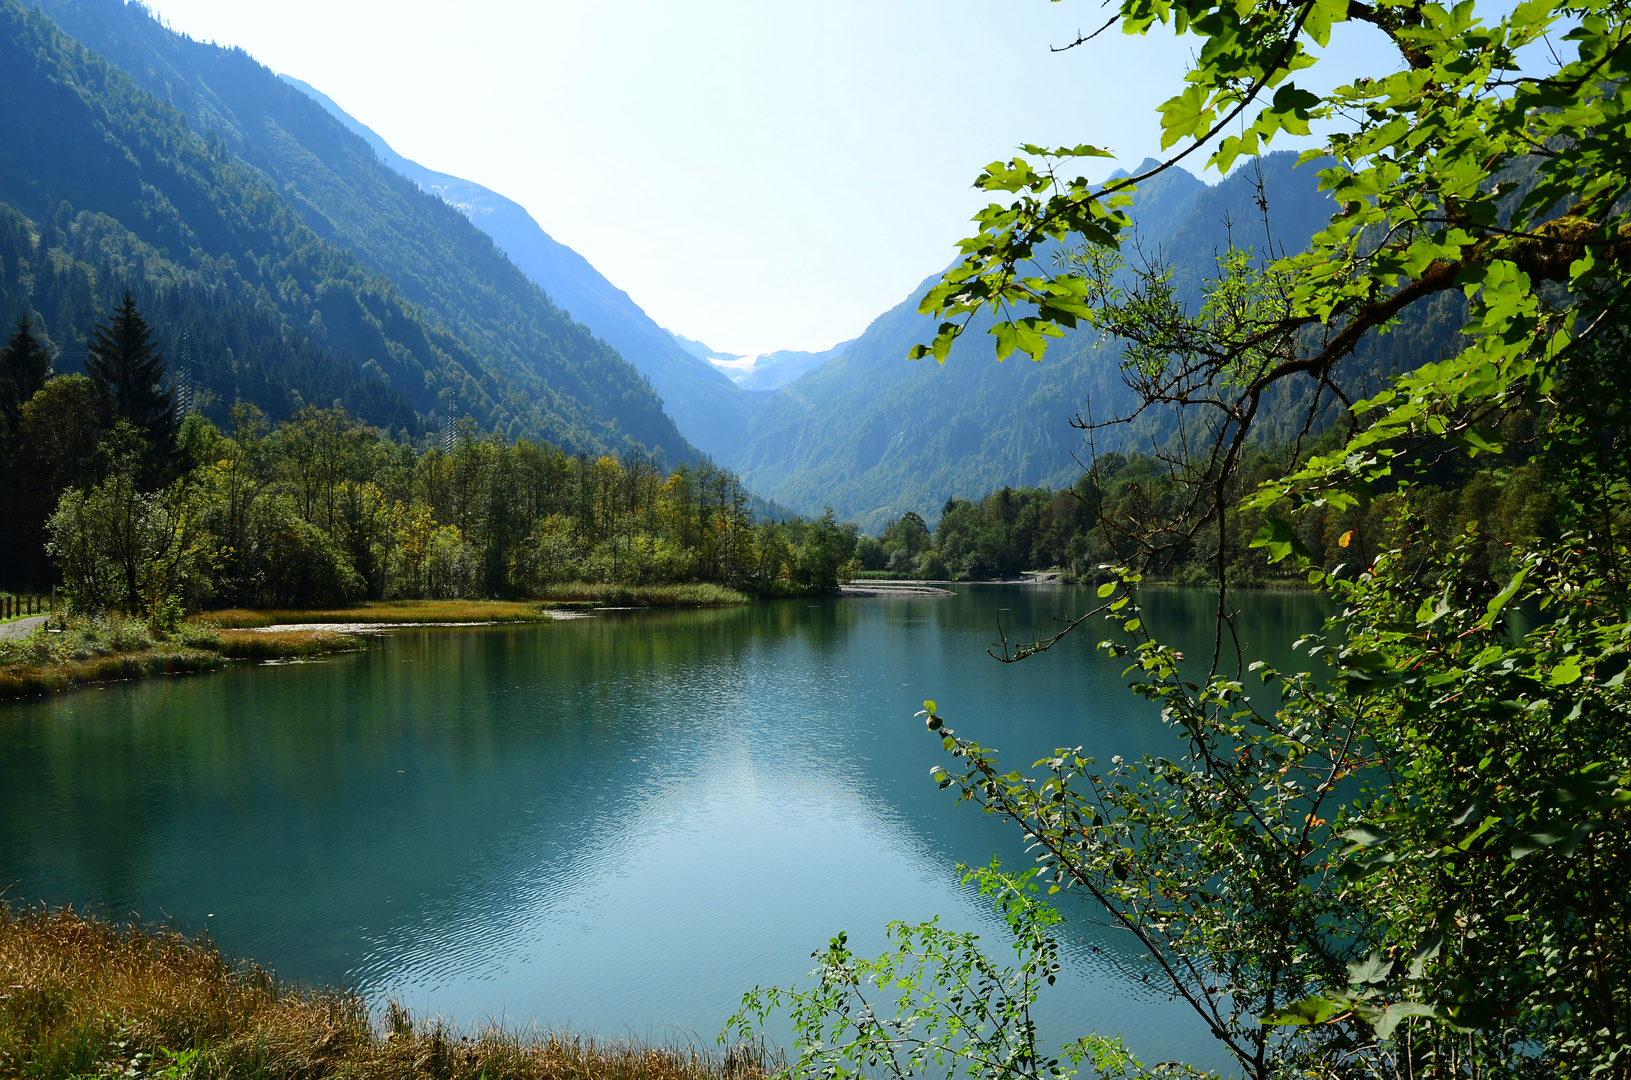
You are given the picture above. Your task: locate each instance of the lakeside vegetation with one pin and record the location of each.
(135, 512)
(84, 998)
(77, 650)
(99, 648)
(1401, 850)
(384, 612)
(1132, 508)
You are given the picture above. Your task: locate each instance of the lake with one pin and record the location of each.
(615, 824)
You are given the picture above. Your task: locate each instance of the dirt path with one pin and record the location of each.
(21, 628)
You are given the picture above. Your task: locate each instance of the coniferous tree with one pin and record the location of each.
(24, 367)
(128, 369)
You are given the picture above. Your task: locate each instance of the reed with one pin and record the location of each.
(379, 611)
(691, 594)
(99, 649)
(82, 998)
(281, 644)
(29, 680)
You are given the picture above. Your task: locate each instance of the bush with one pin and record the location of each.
(931, 567)
(299, 565)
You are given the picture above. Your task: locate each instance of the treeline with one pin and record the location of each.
(128, 510)
(1122, 497)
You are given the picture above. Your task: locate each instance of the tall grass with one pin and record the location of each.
(692, 594)
(80, 998)
(380, 611)
(276, 644)
(30, 680)
(76, 651)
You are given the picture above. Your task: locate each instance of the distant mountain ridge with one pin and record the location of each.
(874, 435)
(475, 336)
(704, 403)
(762, 374)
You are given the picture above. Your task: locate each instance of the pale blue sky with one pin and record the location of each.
(757, 175)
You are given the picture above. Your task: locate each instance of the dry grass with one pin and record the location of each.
(381, 611)
(79, 998)
(29, 680)
(278, 644)
(695, 594)
(78, 650)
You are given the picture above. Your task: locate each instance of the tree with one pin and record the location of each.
(1413, 863)
(118, 547)
(55, 448)
(127, 370)
(24, 368)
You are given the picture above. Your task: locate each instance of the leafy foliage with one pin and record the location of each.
(1409, 863)
(954, 1010)
(322, 511)
(876, 436)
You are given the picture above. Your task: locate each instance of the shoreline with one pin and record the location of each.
(65, 654)
(88, 997)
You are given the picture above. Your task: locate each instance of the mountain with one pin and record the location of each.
(703, 352)
(873, 434)
(425, 297)
(764, 373)
(772, 371)
(708, 408)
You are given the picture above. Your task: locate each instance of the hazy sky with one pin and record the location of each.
(756, 175)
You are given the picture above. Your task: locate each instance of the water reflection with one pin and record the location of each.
(619, 823)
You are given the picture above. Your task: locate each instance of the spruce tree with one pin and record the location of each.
(128, 370)
(24, 367)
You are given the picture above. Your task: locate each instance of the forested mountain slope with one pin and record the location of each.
(712, 413)
(874, 434)
(444, 314)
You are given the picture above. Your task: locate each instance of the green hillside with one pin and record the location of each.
(710, 411)
(874, 434)
(278, 206)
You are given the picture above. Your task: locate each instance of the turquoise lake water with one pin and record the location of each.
(616, 824)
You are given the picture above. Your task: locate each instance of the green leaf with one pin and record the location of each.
(1313, 1010)
(1322, 14)
(1366, 835)
(1429, 948)
(1384, 1020)
(1185, 115)
(1374, 969)
(1280, 538)
(1502, 599)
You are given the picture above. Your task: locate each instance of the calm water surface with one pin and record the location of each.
(617, 824)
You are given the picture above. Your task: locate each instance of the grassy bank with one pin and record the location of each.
(282, 644)
(79, 650)
(695, 594)
(380, 611)
(80, 998)
(98, 650)
(75, 651)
